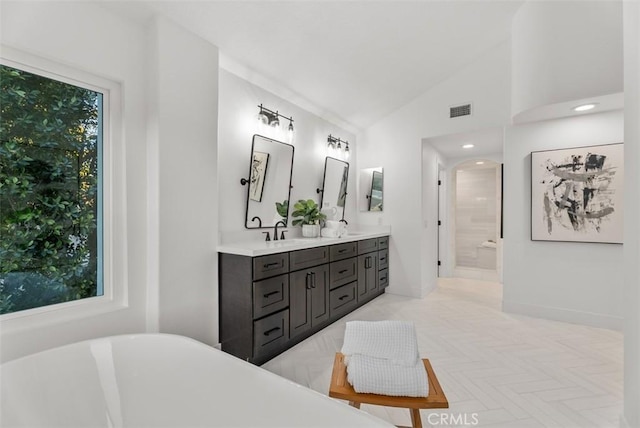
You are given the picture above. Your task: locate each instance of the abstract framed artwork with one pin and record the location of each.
(577, 194)
(259, 165)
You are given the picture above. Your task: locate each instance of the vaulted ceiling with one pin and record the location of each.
(353, 60)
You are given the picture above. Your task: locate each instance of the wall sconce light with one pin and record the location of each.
(272, 118)
(334, 146)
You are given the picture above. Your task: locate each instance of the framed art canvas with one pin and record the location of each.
(259, 165)
(577, 194)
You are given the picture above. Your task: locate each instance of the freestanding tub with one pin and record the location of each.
(157, 380)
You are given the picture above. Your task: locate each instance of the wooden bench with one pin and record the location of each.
(341, 389)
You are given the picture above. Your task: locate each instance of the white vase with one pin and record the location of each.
(310, 230)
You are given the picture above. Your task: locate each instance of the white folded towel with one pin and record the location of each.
(372, 375)
(394, 341)
(382, 358)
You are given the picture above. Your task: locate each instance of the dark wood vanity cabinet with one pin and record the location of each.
(269, 303)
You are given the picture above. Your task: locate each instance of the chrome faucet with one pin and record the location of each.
(275, 230)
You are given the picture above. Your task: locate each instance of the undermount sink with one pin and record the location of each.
(296, 240)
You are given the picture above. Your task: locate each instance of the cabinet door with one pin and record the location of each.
(309, 299)
(367, 275)
(300, 302)
(319, 295)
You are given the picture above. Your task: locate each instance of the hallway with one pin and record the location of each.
(512, 371)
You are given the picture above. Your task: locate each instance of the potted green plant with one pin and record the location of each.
(308, 215)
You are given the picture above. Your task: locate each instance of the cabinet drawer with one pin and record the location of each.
(383, 259)
(343, 272)
(270, 333)
(383, 278)
(367, 245)
(343, 251)
(307, 258)
(342, 300)
(270, 295)
(271, 265)
(383, 243)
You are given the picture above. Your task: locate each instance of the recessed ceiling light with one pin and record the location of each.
(468, 146)
(584, 107)
(480, 163)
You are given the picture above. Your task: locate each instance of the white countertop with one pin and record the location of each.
(261, 248)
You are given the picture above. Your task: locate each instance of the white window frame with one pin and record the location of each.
(114, 254)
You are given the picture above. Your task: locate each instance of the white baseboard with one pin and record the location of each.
(564, 315)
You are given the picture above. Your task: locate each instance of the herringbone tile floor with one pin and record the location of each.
(497, 369)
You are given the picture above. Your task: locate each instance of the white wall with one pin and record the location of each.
(239, 100)
(565, 51)
(410, 166)
(575, 282)
(186, 91)
(87, 37)
(166, 207)
(476, 214)
(632, 213)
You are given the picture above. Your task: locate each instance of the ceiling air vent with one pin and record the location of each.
(461, 110)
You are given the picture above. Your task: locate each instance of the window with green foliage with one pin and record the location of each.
(50, 191)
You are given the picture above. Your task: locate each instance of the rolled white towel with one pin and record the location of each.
(332, 224)
(394, 341)
(377, 376)
(330, 233)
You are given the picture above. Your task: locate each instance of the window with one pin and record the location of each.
(51, 189)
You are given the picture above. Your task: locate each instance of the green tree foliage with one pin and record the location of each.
(49, 148)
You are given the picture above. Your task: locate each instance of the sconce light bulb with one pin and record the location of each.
(290, 133)
(346, 151)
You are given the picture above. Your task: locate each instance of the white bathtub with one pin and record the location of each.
(156, 380)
